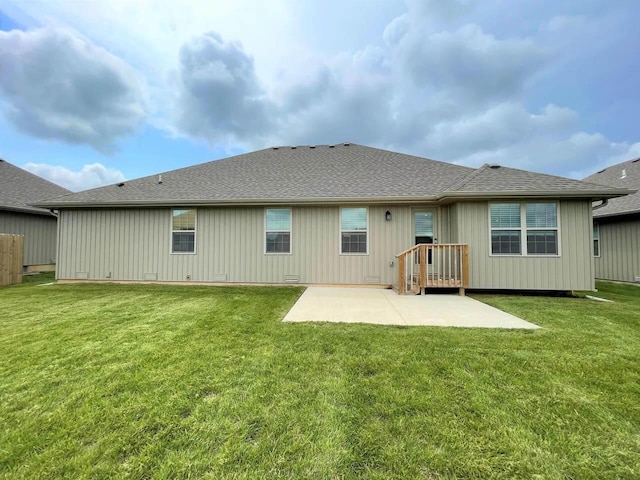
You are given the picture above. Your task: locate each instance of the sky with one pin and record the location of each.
(94, 92)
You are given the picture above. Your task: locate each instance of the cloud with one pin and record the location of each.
(439, 10)
(347, 100)
(504, 124)
(220, 95)
(90, 176)
(469, 64)
(576, 155)
(457, 80)
(59, 86)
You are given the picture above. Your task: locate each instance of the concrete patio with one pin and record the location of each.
(385, 307)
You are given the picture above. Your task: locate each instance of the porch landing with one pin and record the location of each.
(385, 307)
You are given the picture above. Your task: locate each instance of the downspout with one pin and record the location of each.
(604, 203)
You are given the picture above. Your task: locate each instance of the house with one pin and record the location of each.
(332, 214)
(616, 225)
(19, 189)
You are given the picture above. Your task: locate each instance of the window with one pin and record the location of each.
(505, 229)
(538, 236)
(423, 224)
(353, 230)
(277, 230)
(183, 231)
(596, 240)
(542, 229)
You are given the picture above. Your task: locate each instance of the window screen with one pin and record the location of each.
(353, 230)
(278, 230)
(541, 215)
(183, 231)
(505, 215)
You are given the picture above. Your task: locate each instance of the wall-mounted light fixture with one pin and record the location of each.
(387, 216)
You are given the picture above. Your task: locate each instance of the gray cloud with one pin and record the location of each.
(349, 100)
(456, 95)
(219, 92)
(468, 63)
(58, 86)
(438, 10)
(500, 125)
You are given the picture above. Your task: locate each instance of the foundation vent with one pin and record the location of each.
(372, 279)
(219, 277)
(151, 276)
(292, 279)
(82, 275)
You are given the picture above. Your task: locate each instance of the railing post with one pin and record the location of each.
(402, 281)
(465, 268)
(423, 269)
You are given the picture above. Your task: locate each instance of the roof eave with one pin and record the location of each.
(30, 210)
(242, 202)
(582, 194)
(617, 214)
(444, 197)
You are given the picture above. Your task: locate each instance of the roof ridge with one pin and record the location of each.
(619, 164)
(463, 181)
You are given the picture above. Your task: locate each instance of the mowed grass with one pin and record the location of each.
(142, 381)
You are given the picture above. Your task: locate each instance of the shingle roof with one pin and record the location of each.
(614, 177)
(345, 172)
(19, 189)
(495, 178)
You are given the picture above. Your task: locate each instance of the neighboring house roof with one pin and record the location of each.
(621, 175)
(315, 174)
(19, 189)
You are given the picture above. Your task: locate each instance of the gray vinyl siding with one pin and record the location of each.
(134, 244)
(572, 270)
(619, 251)
(39, 235)
(453, 223)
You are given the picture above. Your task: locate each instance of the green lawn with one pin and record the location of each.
(136, 381)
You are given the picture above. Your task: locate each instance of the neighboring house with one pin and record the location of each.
(18, 190)
(616, 225)
(332, 214)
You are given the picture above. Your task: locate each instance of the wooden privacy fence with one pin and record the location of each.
(425, 265)
(11, 254)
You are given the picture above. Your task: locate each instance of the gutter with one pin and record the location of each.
(29, 210)
(617, 214)
(605, 202)
(445, 197)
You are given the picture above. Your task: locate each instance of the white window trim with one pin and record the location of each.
(340, 231)
(195, 232)
(523, 231)
(597, 225)
(290, 232)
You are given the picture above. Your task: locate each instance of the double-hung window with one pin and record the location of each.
(183, 231)
(542, 228)
(277, 230)
(506, 229)
(536, 235)
(353, 230)
(596, 240)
